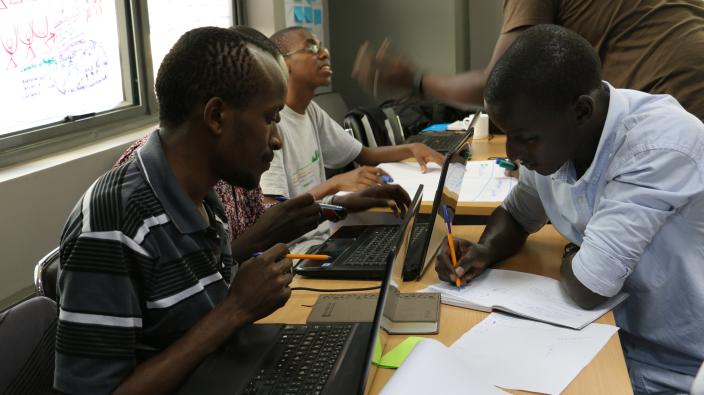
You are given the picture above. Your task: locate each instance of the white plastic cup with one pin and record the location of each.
(481, 128)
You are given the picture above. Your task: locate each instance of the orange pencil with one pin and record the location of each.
(453, 256)
(312, 257)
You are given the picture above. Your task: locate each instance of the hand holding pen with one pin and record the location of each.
(470, 260)
(261, 284)
(451, 243)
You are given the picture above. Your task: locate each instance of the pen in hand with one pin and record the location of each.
(451, 243)
(312, 257)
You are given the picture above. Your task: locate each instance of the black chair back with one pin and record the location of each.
(27, 336)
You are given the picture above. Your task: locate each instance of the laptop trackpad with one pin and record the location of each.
(332, 247)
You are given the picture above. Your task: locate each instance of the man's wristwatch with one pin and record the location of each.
(570, 249)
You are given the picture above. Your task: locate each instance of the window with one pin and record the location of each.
(183, 15)
(74, 71)
(60, 59)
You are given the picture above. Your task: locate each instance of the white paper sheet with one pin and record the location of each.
(515, 353)
(484, 180)
(501, 351)
(433, 368)
(529, 295)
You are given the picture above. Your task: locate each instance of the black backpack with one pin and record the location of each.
(416, 113)
(376, 130)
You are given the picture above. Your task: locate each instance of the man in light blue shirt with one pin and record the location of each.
(619, 173)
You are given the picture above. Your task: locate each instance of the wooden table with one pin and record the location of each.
(605, 374)
(481, 150)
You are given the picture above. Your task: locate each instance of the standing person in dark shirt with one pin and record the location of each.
(654, 46)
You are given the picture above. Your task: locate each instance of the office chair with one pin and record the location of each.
(27, 332)
(45, 273)
(393, 125)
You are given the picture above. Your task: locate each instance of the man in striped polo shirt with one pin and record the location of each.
(146, 287)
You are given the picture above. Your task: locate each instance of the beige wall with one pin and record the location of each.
(432, 33)
(36, 199)
(441, 35)
(484, 29)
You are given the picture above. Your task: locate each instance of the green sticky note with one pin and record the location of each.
(394, 358)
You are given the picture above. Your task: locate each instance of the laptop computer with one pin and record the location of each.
(302, 359)
(443, 142)
(431, 231)
(357, 251)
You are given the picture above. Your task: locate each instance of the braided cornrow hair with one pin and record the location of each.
(208, 62)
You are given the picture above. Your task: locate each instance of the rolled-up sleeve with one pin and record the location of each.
(650, 187)
(524, 205)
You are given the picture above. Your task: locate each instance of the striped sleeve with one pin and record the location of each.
(100, 317)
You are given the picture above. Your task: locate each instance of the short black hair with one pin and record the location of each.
(548, 64)
(208, 62)
(280, 38)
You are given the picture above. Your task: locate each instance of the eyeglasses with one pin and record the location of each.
(312, 48)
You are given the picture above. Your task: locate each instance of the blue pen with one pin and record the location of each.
(446, 215)
(386, 179)
(280, 198)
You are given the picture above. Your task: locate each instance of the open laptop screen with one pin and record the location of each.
(446, 199)
(378, 338)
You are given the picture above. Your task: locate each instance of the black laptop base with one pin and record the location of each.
(442, 142)
(244, 365)
(358, 252)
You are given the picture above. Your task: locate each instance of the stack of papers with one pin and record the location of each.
(527, 295)
(484, 180)
(501, 351)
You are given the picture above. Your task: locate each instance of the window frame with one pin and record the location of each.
(133, 17)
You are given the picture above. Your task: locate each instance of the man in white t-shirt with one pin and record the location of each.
(313, 141)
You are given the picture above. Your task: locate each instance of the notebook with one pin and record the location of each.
(526, 295)
(301, 359)
(443, 142)
(358, 251)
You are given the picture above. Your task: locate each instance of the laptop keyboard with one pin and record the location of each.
(418, 233)
(375, 249)
(444, 143)
(308, 354)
